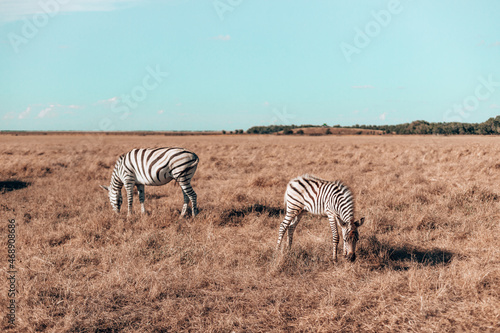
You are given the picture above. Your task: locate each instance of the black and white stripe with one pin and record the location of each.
(155, 167)
(325, 198)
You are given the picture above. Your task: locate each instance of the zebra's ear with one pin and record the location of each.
(104, 187)
(360, 222)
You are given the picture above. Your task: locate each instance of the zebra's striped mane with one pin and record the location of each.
(152, 148)
(313, 177)
(120, 158)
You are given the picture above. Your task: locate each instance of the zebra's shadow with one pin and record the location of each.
(11, 185)
(235, 216)
(384, 255)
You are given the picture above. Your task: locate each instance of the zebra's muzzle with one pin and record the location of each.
(351, 257)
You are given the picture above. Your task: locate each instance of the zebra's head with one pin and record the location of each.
(351, 235)
(115, 198)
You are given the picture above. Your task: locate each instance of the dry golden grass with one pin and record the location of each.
(428, 257)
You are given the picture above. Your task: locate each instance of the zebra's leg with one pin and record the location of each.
(333, 226)
(129, 187)
(291, 228)
(186, 202)
(344, 251)
(188, 191)
(290, 215)
(140, 189)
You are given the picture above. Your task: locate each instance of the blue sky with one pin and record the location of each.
(230, 64)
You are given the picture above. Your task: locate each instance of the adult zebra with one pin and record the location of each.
(155, 166)
(325, 198)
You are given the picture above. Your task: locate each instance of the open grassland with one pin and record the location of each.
(428, 256)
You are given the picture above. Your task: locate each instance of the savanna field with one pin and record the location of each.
(428, 255)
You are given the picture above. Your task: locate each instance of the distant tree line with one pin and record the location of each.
(490, 126)
(238, 131)
(287, 129)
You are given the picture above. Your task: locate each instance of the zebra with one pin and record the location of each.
(325, 198)
(153, 166)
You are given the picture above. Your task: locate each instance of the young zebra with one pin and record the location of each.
(156, 166)
(325, 198)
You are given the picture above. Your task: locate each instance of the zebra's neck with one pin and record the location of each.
(115, 189)
(116, 182)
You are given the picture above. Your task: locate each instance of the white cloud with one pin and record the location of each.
(109, 101)
(161, 111)
(222, 37)
(47, 112)
(44, 110)
(382, 116)
(13, 10)
(25, 113)
(178, 104)
(488, 43)
(266, 103)
(9, 115)
(494, 106)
